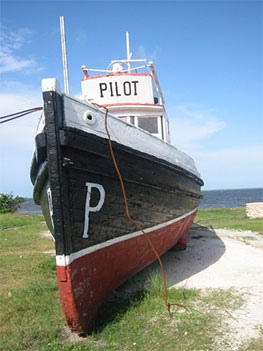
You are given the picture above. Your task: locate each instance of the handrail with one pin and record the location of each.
(84, 69)
(128, 61)
(156, 81)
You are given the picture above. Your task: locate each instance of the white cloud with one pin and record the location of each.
(81, 36)
(14, 102)
(15, 40)
(187, 126)
(9, 63)
(231, 167)
(10, 60)
(17, 142)
(222, 167)
(142, 54)
(18, 133)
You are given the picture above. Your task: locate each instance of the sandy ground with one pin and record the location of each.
(218, 259)
(222, 259)
(240, 266)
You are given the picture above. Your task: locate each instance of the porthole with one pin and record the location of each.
(89, 117)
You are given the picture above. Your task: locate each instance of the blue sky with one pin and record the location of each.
(207, 54)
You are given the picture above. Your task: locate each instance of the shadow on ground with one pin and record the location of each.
(203, 250)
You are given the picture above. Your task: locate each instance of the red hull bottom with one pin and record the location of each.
(86, 282)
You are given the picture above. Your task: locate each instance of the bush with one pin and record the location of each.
(8, 203)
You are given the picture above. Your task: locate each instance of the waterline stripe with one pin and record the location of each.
(64, 260)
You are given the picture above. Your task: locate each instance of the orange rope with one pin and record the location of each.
(129, 216)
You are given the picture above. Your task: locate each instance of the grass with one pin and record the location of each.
(30, 310)
(234, 218)
(31, 317)
(256, 344)
(21, 249)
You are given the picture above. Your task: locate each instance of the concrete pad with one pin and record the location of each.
(219, 259)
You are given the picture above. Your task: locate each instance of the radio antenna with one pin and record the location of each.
(128, 52)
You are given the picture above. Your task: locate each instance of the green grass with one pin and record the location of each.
(21, 249)
(29, 309)
(31, 317)
(256, 344)
(234, 218)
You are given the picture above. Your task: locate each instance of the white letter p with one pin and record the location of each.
(89, 209)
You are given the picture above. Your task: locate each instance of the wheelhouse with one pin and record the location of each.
(135, 98)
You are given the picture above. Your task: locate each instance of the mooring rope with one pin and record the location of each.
(16, 115)
(168, 305)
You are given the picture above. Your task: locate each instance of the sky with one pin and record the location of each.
(207, 55)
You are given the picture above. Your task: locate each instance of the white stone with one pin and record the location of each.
(254, 209)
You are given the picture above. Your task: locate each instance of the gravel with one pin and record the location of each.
(223, 259)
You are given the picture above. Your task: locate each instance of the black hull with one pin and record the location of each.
(76, 184)
(156, 190)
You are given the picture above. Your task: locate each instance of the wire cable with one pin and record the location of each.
(19, 114)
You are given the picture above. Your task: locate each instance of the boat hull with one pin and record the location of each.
(76, 184)
(85, 283)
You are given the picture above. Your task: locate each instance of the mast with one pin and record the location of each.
(128, 52)
(64, 54)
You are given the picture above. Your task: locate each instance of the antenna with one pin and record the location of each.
(64, 54)
(128, 52)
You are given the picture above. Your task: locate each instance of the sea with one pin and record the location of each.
(231, 198)
(234, 198)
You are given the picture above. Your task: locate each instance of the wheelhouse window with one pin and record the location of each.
(124, 118)
(132, 120)
(129, 119)
(150, 124)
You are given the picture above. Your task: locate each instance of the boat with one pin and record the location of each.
(119, 121)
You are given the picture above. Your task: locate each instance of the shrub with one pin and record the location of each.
(8, 203)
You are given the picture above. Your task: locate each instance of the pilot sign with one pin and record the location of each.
(126, 88)
(119, 88)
